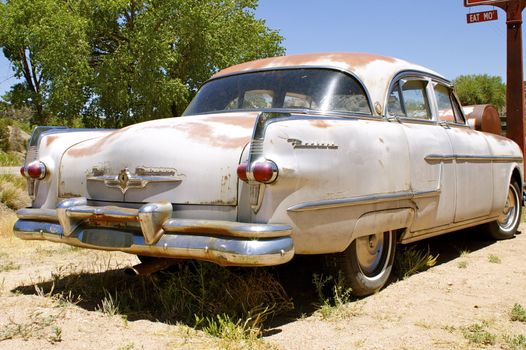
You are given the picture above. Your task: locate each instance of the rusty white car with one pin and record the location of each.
(340, 154)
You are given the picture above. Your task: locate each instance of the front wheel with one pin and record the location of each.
(507, 223)
(367, 263)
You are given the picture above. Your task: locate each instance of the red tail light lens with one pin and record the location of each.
(36, 170)
(265, 172)
(242, 171)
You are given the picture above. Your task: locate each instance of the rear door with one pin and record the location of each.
(432, 182)
(471, 154)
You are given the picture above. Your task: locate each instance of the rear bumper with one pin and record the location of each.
(151, 231)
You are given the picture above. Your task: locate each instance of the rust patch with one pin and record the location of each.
(354, 60)
(205, 134)
(69, 195)
(320, 124)
(50, 139)
(241, 121)
(96, 147)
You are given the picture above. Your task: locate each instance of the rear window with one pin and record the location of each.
(311, 89)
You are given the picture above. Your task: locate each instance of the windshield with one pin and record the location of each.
(313, 89)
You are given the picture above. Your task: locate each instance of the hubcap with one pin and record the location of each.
(372, 253)
(510, 214)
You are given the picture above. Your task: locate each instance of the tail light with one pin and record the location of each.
(262, 171)
(242, 171)
(35, 170)
(266, 171)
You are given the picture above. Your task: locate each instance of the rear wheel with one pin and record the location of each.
(507, 223)
(367, 263)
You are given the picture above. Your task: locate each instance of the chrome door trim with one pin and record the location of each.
(362, 200)
(469, 158)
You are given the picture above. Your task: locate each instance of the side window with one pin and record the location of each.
(444, 103)
(459, 117)
(409, 99)
(394, 104)
(415, 99)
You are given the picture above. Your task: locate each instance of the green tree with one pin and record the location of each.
(115, 62)
(480, 89)
(46, 44)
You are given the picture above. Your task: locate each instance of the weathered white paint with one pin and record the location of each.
(379, 173)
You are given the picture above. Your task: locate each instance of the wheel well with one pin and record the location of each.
(516, 175)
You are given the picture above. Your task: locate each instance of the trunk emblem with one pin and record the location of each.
(125, 180)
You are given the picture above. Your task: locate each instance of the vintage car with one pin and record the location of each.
(340, 154)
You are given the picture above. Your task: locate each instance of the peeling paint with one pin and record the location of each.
(354, 60)
(322, 124)
(50, 139)
(246, 122)
(205, 133)
(97, 146)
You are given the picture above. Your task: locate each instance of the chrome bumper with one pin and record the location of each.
(150, 230)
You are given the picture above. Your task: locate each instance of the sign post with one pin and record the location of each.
(514, 69)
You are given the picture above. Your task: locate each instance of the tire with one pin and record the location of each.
(368, 262)
(505, 227)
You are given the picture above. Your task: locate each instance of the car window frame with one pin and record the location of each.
(402, 80)
(431, 98)
(341, 114)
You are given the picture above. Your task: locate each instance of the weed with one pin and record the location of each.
(450, 329)
(518, 313)
(462, 264)
(234, 333)
(109, 305)
(9, 266)
(340, 295)
(129, 346)
(56, 335)
(411, 260)
(477, 334)
(494, 259)
(517, 342)
(464, 253)
(191, 289)
(35, 328)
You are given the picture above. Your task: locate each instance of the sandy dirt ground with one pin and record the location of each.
(470, 292)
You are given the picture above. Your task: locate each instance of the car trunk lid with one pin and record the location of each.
(186, 160)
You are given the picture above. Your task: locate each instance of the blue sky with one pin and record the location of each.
(431, 33)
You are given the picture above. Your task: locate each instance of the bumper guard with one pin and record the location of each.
(151, 230)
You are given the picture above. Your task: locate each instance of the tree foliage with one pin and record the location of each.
(115, 62)
(480, 89)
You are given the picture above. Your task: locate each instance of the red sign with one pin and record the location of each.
(468, 3)
(482, 16)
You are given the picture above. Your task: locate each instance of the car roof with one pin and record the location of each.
(375, 71)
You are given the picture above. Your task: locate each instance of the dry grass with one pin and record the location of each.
(203, 295)
(11, 158)
(13, 193)
(7, 220)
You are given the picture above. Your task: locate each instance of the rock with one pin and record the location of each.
(17, 141)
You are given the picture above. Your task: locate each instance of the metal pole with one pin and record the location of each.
(514, 72)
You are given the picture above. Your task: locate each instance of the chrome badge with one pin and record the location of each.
(125, 180)
(298, 144)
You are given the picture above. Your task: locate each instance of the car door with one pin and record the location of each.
(471, 152)
(432, 182)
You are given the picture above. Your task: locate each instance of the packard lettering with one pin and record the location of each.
(298, 144)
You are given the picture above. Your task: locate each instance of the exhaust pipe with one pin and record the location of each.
(150, 267)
